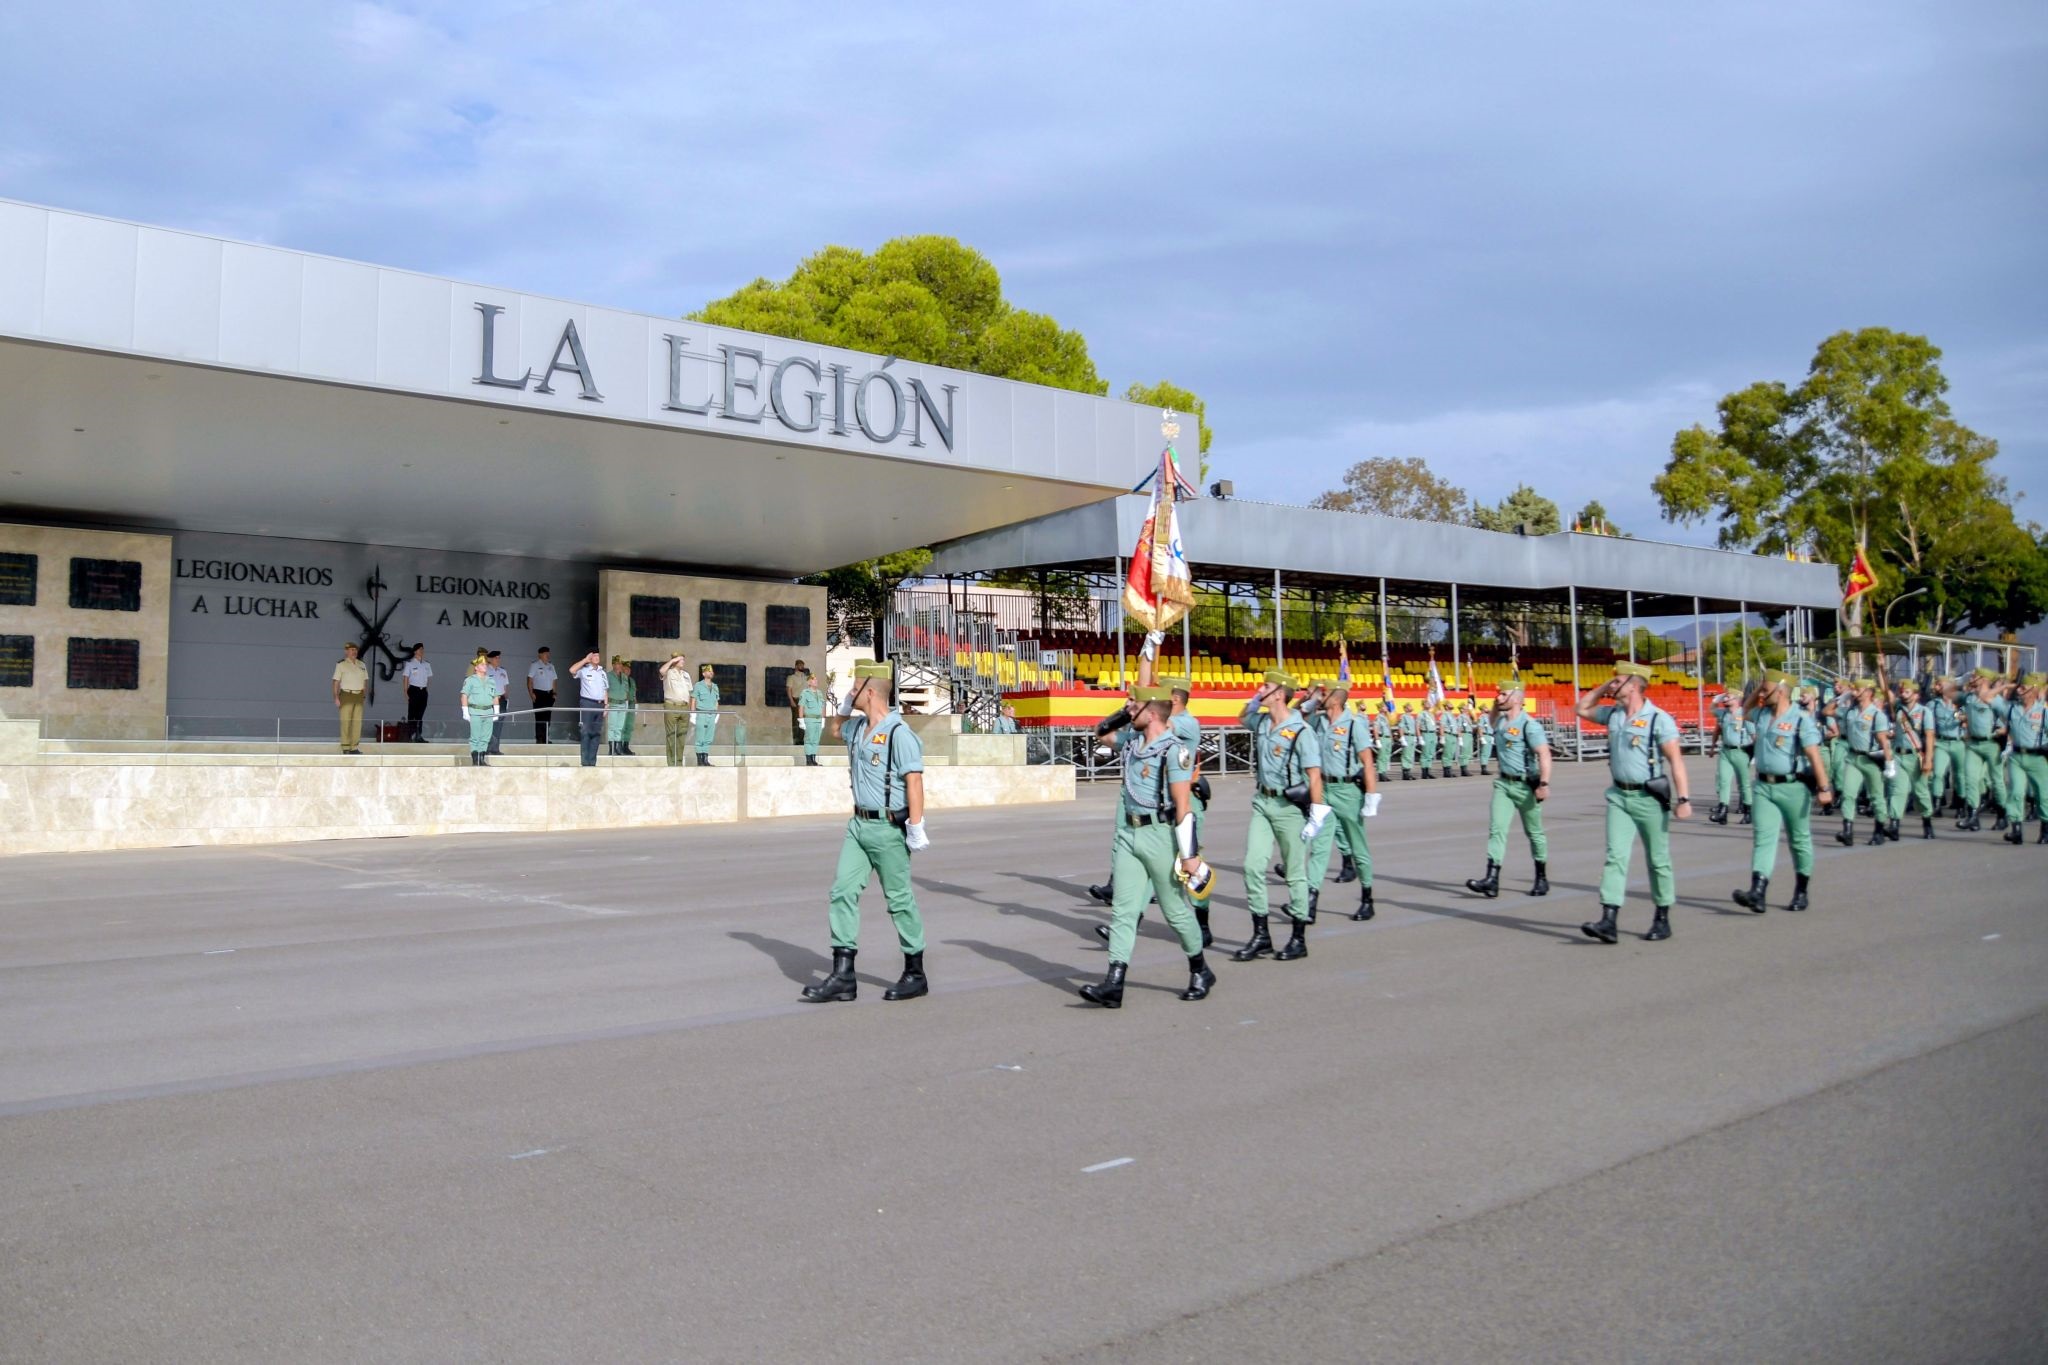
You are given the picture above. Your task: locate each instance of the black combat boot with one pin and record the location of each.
(1109, 992)
(2000, 823)
(1482, 770)
(1106, 893)
(1876, 839)
(2016, 834)
(1464, 771)
(482, 762)
(1407, 774)
(1718, 815)
(1660, 927)
(1488, 885)
(1347, 871)
(840, 985)
(810, 760)
(2042, 838)
(703, 760)
(1200, 979)
(1798, 892)
(1891, 831)
(1541, 886)
(911, 984)
(1202, 918)
(1279, 872)
(1848, 834)
(1258, 945)
(1366, 911)
(1428, 774)
(1747, 817)
(1604, 930)
(1753, 899)
(1927, 827)
(1297, 945)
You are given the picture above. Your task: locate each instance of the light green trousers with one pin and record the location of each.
(1486, 746)
(1731, 774)
(1950, 762)
(1512, 796)
(1276, 825)
(2027, 770)
(1786, 806)
(1346, 829)
(1909, 782)
(1386, 756)
(1858, 772)
(814, 730)
(874, 848)
(1980, 769)
(1408, 752)
(1633, 815)
(1140, 867)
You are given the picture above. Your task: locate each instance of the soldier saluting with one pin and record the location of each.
(1639, 733)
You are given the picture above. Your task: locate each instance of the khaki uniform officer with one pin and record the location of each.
(1155, 825)
(704, 701)
(886, 761)
(1787, 756)
(810, 704)
(1867, 731)
(350, 681)
(675, 702)
(1642, 746)
(1288, 759)
(2026, 725)
(1521, 789)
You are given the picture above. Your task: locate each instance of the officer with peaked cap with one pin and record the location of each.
(2026, 726)
(1156, 849)
(1643, 763)
(1287, 768)
(1521, 789)
(886, 761)
(1867, 731)
(1787, 758)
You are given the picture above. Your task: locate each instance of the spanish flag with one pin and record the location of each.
(1862, 578)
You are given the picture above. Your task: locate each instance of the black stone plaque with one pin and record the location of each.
(778, 687)
(103, 665)
(17, 661)
(789, 626)
(732, 684)
(723, 622)
(17, 579)
(106, 585)
(656, 618)
(647, 678)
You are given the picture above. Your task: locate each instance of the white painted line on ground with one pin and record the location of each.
(521, 1156)
(1003, 1066)
(1989, 937)
(1107, 1165)
(216, 952)
(1243, 1022)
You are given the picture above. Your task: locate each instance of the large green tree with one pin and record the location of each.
(1523, 507)
(1167, 394)
(1391, 487)
(1865, 451)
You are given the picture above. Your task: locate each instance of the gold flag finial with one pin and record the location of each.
(1169, 428)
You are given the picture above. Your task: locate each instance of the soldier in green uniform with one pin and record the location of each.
(1484, 740)
(1867, 732)
(704, 702)
(1913, 756)
(1451, 725)
(1521, 789)
(1984, 714)
(1411, 739)
(1383, 739)
(1431, 739)
(810, 705)
(1187, 728)
(1787, 753)
(2026, 725)
(1469, 726)
(886, 761)
(1348, 779)
(1642, 752)
(1949, 757)
(480, 708)
(1155, 845)
(1732, 740)
(1006, 721)
(617, 682)
(1288, 765)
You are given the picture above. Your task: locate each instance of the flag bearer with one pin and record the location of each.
(1642, 760)
(1521, 789)
(1288, 763)
(1788, 755)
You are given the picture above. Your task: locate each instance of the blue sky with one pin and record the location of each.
(1526, 242)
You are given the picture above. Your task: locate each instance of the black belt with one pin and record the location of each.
(2030, 753)
(1141, 821)
(894, 817)
(1774, 779)
(1272, 791)
(1628, 786)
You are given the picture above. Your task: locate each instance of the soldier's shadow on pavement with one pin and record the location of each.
(1081, 926)
(1568, 933)
(800, 964)
(1063, 978)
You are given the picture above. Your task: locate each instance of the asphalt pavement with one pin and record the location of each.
(552, 1097)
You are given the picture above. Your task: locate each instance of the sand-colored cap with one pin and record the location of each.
(1151, 694)
(879, 669)
(1776, 677)
(1280, 677)
(1177, 684)
(2035, 680)
(1866, 684)
(352, 644)
(1984, 673)
(1625, 669)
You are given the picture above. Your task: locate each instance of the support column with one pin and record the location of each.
(1386, 659)
(1720, 671)
(1699, 671)
(1572, 623)
(1187, 651)
(1743, 607)
(1454, 636)
(1279, 626)
(1630, 608)
(1116, 586)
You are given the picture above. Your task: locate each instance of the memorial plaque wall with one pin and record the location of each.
(17, 661)
(103, 665)
(17, 580)
(656, 618)
(106, 584)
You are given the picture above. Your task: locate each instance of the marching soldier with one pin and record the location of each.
(1732, 741)
(1913, 754)
(1639, 733)
(1984, 716)
(1156, 847)
(1383, 739)
(886, 760)
(704, 701)
(1452, 722)
(1411, 738)
(1188, 730)
(1867, 732)
(1788, 755)
(2026, 723)
(1348, 780)
(1522, 788)
(810, 705)
(1431, 738)
(1288, 765)
(1485, 738)
(1832, 744)
(1949, 757)
(480, 703)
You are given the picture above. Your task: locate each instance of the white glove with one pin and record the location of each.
(915, 837)
(1372, 804)
(1891, 770)
(1153, 639)
(1316, 816)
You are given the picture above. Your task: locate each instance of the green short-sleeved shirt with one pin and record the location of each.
(1516, 737)
(615, 687)
(1286, 750)
(1862, 726)
(880, 758)
(1149, 763)
(1428, 722)
(1912, 726)
(811, 703)
(1410, 725)
(1345, 738)
(1005, 726)
(2025, 725)
(1781, 741)
(1733, 729)
(704, 696)
(1189, 731)
(1948, 721)
(1633, 745)
(1983, 717)
(479, 694)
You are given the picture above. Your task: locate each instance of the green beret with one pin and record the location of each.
(1149, 694)
(874, 668)
(1280, 677)
(1624, 669)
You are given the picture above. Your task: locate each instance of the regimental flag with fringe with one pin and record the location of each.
(1862, 578)
(1160, 588)
(1436, 682)
(1343, 665)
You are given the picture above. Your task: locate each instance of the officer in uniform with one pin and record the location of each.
(1485, 737)
(1156, 849)
(810, 704)
(2026, 724)
(591, 693)
(704, 700)
(1288, 764)
(1732, 740)
(1116, 731)
(501, 680)
(480, 704)
(1913, 755)
(417, 673)
(1383, 739)
(1348, 782)
(1451, 721)
(1949, 758)
(1006, 720)
(351, 679)
(1521, 789)
(1984, 714)
(1867, 732)
(1411, 736)
(886, 760)
(1787, 755)
(1639, 735)
(618, 706)
(675, 706)
(1468, 731)
(540, 693)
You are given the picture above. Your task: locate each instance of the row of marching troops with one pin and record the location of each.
(1318, 763)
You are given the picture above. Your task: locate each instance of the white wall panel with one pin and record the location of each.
(24, 238)
(89, 283)
(338, 322)
(177, 295)
(262, 298)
